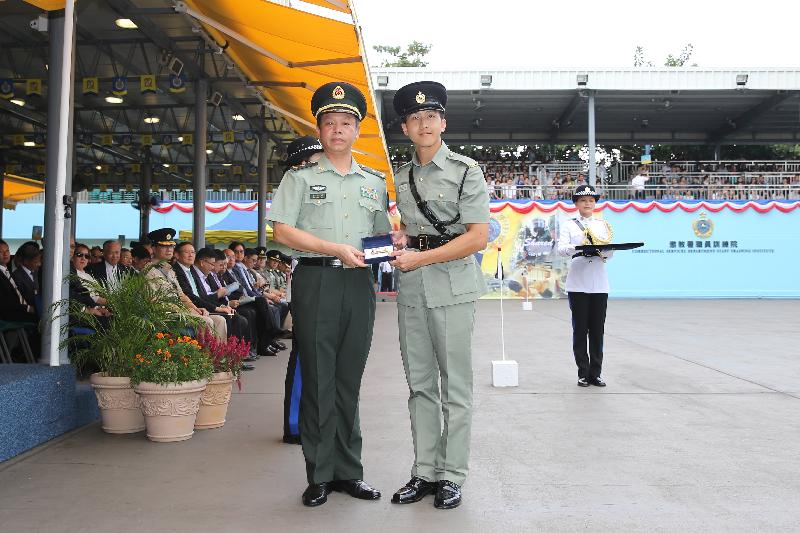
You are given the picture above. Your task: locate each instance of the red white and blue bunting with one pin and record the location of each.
(547, 206)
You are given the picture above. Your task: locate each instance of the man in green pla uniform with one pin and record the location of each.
(444, 209)
(323, 210)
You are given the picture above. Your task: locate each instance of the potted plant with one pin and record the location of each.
(226, 358)
(169, 376)
(137, 311)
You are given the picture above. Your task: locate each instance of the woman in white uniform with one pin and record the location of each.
(587, 284)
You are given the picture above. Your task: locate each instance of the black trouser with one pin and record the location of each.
(588, 319)
(238, 326)
(334, 311)
(266, 330)
(251, 315)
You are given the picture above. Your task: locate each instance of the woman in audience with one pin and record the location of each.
(78, 290)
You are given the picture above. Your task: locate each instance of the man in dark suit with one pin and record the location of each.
(26, 276)
(192, 286)
(268, 330)
(205, 268)
(109, 268)
(13, 305)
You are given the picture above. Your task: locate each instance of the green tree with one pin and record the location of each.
(639, 59)
(412, 56)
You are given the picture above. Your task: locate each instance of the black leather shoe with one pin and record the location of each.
(245, 366)
(291, 439)
(448, 495)
(582, 382)
(414, 491)
(270, 352)
(316, 494)
(356, 488)
(279, 345)
(597, 382)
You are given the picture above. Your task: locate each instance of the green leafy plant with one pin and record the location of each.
(139, 309)
(171, 358)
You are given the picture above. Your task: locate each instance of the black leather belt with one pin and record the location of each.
(429, 242)
(332, 262)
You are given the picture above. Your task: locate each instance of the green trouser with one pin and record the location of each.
(333, 311)
(436, 342)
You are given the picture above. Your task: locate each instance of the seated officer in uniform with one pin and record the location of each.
(444, 210)
(323, 210)
(164, 277)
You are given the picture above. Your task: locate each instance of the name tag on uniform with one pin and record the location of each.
(317, 195)
(377, 249)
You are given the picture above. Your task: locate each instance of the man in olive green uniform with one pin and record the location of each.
(444, 209)
(323, 210)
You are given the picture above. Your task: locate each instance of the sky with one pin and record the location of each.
(529, 34)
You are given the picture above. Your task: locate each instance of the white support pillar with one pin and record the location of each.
(263, 180)
(59, 125)
(200, 180)
(592, 144)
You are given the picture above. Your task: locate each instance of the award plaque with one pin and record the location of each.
(377, 248)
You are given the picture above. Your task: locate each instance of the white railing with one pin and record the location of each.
(668, 192)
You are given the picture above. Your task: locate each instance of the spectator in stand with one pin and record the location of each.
(537, 192)
(638, 184)
(96, 255)
(212, 297)
(126, 258)
(80, 291)
(109, 269)
(268, 315)
(26, 276)
(141, 257)
(14, 307)
(163, 277)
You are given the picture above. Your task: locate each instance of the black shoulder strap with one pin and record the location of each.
(441, 226)
(583, 229)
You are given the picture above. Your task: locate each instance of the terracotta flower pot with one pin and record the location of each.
(214, 401)
(170, 410)
(120, 410)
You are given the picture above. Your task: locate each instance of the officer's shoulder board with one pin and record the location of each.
(372, 171)
(308, 164)
(455, 156)
(403, 167)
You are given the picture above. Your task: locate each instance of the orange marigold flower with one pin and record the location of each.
(159, 335)
(171, 342)
(158, 351)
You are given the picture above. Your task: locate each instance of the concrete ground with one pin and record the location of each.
(696, 431)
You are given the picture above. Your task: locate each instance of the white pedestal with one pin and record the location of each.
(505, 374)
(527, 306)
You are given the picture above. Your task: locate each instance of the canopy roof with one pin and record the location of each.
(632, 106)
(17, 188)
(294, 53)
(261, 61)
